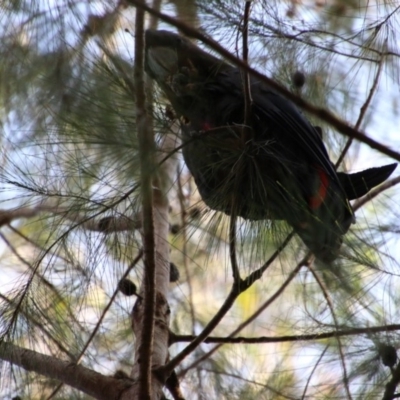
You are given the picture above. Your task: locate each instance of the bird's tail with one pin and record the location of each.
(360, 183)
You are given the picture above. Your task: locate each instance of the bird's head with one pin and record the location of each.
(162, 54)
(179, 67)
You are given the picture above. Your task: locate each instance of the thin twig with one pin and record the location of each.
(332, 309)
(232, 248)
(375, 192)
(363, 110)
(246, 132)
(255, 275)
(312, 372)
(289, 338)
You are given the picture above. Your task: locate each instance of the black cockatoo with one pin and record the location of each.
(275, 167)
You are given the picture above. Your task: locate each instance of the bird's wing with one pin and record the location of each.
(296, 135)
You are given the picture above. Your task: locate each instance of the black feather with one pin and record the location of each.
(360, 183)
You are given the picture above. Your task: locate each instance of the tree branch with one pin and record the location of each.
(106, 224)
(90, 382)
(232, 246)
(392, 384)
(146, 152)
(288, 338)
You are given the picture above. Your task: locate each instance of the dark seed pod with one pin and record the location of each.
(169, 113)
(388, 355)
(119, 374)
(173, 273)
(127, 287)
(195, 213)
(175, 228)
(298, 79)
(105, 223)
